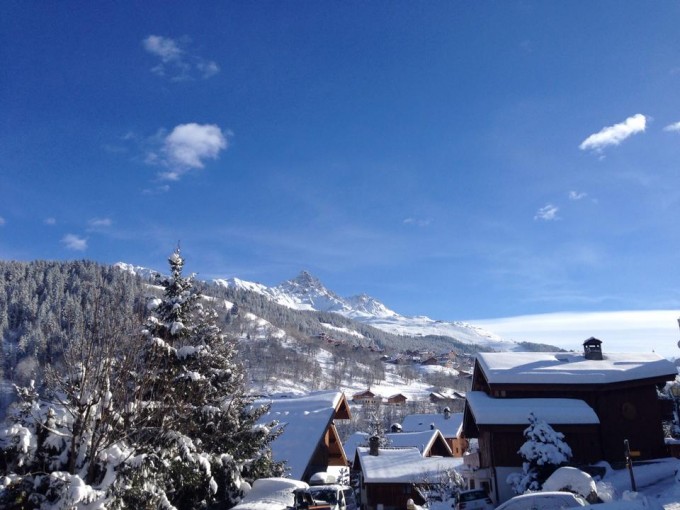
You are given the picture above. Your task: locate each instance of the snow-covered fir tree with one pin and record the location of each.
(198, 435)
(543, 452)
(157, 420)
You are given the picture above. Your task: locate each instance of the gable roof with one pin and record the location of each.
(572, 368)
(515, 411)
(418, 422)
(401, 465)
(305, 419)
(423, 441)
(364, 394)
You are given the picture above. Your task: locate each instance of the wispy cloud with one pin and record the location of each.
(547, 213)
(673, 127)
(418, 222)
(2, 221)
(74, 242)
(187, 147)
(177, 63)
(99, 223)
(620, 330)
(50, 221)
(614, 135)
(577, 195)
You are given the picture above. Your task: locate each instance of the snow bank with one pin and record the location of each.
(572, 480)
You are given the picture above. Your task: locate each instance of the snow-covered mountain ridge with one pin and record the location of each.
(306, 292)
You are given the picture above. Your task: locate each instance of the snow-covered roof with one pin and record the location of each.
(402, 465)
(351, 444)
(515, 411)
(449, 427)
(421, 440)
(270, 494)
(571, 368)
(306, 419)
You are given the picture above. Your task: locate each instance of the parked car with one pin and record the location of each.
(333, 495)
(272, 493)
(543, 501)
(350, 498)
(305, 501)
(474, 499)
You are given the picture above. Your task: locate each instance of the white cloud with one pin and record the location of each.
(187, 147)
(50, 221)
(614, 135)
(176, 63)
(620, 331)
(74, 242)
(163, 47)
(100, 222)
(673, 127)
(2, 221)
(417, 222)
(577, 195)
(547, 213)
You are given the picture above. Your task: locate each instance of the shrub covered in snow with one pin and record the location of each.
(543, 451)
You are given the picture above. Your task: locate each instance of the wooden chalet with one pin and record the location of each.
(389, 477)
(366, 397)
(396, 400)
(310, 442)
(596, 400)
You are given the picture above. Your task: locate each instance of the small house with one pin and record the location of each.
(310, 442)
(396, 400)
(366, 397)
(389, 477)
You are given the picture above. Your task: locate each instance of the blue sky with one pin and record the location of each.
(461, 160)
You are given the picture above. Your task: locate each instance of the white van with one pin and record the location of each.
(338, 497)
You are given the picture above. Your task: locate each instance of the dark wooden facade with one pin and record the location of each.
(627, 410)
(392, 496)
(397, 400)
(498, 445)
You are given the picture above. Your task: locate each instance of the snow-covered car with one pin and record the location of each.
(473, 499)
(543, 501)
(571, 479)
(333, 495)
(271, 494)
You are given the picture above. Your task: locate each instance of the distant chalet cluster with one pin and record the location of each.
(461, 362)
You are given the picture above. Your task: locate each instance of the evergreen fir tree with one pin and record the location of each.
(198, 432)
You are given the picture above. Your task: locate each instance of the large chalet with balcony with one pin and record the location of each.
(596, 400)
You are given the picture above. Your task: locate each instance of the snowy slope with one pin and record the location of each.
(306, 292)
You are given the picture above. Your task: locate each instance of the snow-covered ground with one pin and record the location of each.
(657, 483)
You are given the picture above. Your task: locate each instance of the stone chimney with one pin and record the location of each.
(374, 446)
(592, 349)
